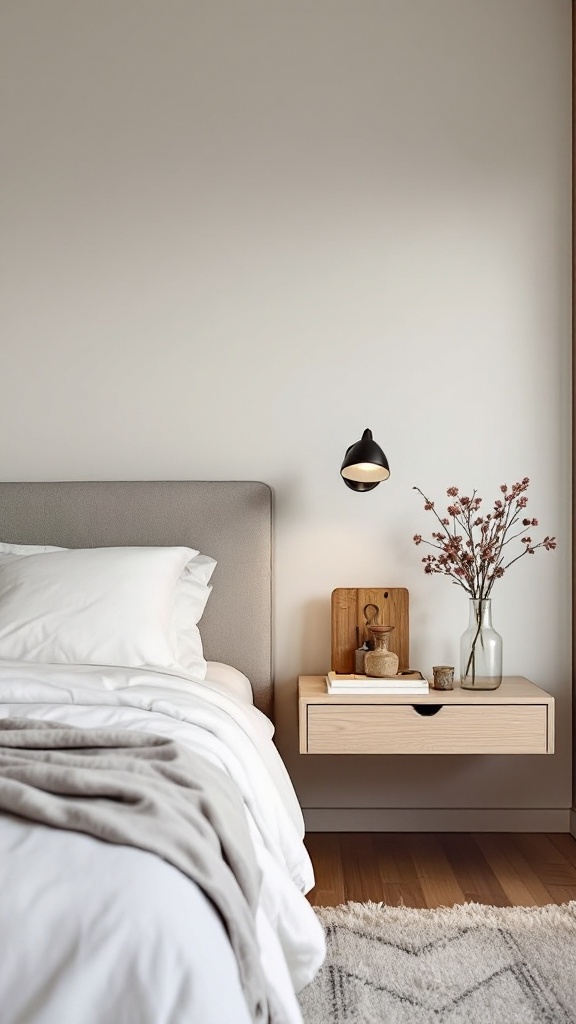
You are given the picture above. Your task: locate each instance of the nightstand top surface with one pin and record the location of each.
(513, 690)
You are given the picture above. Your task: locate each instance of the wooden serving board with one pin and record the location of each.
(354, 608)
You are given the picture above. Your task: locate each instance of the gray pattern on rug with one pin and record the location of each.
(461, 965)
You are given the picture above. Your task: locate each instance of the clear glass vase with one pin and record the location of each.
(480, 649)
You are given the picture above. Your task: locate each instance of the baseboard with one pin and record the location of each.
(425, 819)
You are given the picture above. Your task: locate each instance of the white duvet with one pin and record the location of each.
(92, 933)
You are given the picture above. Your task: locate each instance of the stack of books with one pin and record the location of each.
(407, 682)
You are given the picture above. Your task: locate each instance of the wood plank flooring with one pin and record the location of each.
(430, 870)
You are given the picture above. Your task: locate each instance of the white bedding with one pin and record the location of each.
(229, 681)
(108, 933)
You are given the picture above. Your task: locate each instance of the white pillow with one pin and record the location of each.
(192, 593)
(94, 606)
(199, 569)
(27, 549)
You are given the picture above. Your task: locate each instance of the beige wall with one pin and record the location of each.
(237, 233)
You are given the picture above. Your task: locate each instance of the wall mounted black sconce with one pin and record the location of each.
(365, 465)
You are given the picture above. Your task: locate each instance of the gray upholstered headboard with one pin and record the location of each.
(229, 520)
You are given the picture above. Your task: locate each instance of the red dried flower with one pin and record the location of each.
(473, 551)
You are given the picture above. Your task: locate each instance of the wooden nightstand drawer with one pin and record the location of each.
(400, 729)
(516, 718)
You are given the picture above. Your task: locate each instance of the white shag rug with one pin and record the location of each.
(466, 964)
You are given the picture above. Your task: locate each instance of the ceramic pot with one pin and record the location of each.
(381, 662)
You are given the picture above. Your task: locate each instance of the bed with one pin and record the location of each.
(152, 868)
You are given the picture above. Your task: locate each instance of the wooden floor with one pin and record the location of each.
(430, 870)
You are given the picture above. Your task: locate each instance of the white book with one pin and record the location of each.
(416, 691)
(366, 691)
(414, 683)
(402, 679)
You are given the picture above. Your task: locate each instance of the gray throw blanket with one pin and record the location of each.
(145, 791)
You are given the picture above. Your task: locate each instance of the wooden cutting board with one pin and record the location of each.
(354, 608)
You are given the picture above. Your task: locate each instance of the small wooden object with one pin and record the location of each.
(354, 609)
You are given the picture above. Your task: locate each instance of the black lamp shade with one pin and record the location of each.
(365, 465)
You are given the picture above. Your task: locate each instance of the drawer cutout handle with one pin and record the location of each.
(427, 710)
